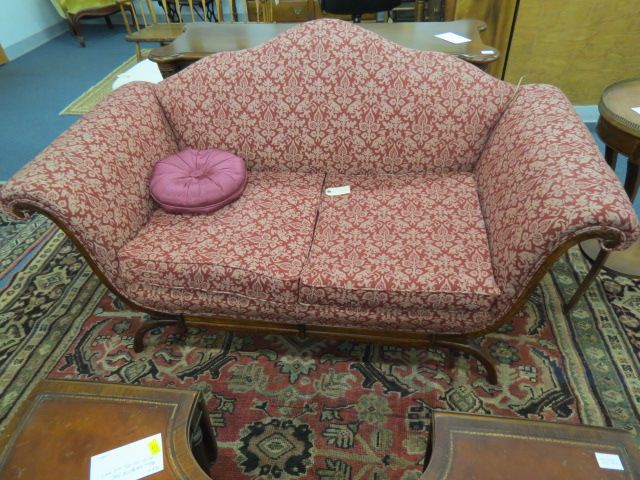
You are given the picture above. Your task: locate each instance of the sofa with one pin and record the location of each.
(464, 191)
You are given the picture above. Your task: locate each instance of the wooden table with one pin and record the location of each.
(64, 423)
(202, 39)
(619, 129)
(483, 447)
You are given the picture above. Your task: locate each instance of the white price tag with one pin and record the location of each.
(636, 109)
(334, 191)
(609, 461)
(453, 38)
(129, 462)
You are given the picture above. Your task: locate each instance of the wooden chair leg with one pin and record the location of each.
(420, 4)
(74, 21)
(72, 28)
(138, 52)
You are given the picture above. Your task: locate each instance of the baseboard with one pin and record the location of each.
(588, 113)
(34, 41)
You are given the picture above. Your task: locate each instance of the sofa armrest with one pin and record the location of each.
(542, 182)
(93, 179)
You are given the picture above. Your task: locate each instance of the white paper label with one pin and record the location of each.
(609, 461)
(453, 38)
(636, 109)
(486, 52)
(129, 462)
(333, 191)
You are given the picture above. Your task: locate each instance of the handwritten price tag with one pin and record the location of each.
(130, 462)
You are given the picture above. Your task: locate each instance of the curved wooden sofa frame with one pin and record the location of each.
(461, 343)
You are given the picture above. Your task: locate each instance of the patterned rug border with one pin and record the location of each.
(615, 380)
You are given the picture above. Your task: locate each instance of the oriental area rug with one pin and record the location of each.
(292, 408)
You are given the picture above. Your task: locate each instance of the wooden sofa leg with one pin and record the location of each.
(464, 345)
(155, 321)
(598, 263)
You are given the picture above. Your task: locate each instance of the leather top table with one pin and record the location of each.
(64, 423)
(464, 446)
(202, 39)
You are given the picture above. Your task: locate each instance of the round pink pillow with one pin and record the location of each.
(198, 181)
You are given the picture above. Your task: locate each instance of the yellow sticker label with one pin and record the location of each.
(154, 447)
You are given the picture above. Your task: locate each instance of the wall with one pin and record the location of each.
(27, 24)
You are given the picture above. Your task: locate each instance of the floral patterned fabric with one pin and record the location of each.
(330, 96)
(198, 302)
(542, 181)
(401, 241)
(94, 177)
(254, 247)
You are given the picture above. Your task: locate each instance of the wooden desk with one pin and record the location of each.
(477, 446)
(64, 423)
(202, 39)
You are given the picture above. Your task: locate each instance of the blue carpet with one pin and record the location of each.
(35, 87)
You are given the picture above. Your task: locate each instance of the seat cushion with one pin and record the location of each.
(254, 247)
(198, 181)
(403, 241)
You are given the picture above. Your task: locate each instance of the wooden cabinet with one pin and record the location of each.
(581, 46)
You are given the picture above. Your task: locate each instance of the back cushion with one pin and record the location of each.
(331, 96)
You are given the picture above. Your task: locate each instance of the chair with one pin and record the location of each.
(74, 10)
(165, 21)
(356, 8)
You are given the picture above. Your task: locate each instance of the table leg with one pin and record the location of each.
(420, 10)
(167, 69)
(611, 156)
(632, 180)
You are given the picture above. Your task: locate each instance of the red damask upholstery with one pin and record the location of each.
(461, 190)
(542, 181)
(401, 241)
(94, 177)
(198, 302)
(255, 247)
(329, 97)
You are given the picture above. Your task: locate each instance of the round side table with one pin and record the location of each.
(619, 129)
